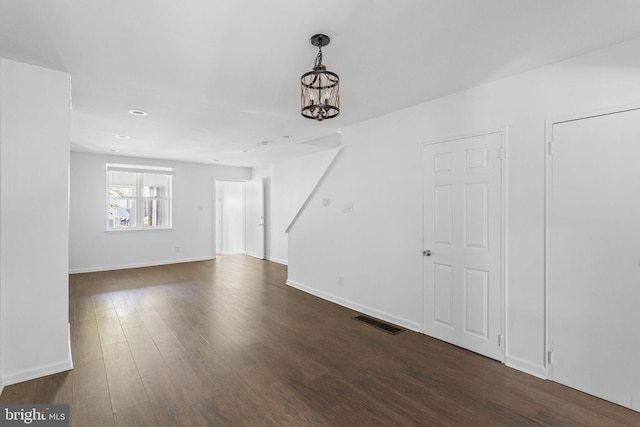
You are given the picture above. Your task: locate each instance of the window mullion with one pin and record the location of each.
(139, 202)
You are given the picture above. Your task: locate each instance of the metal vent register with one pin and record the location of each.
(390, 329)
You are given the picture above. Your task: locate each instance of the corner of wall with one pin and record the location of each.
(40, 371)
(31, 94)
(1, 380)
(70, 354)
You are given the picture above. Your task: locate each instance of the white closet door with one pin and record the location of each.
(594, 256)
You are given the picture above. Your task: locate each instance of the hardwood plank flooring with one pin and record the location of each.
(226, 342)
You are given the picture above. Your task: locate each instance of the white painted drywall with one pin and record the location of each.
(34, 221)
(377, 247)
(288, 185)
(192, 237)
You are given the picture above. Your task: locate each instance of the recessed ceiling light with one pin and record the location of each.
(122, 136)
(114, 151)
(244, 151)
(287, 136)
(138, 112)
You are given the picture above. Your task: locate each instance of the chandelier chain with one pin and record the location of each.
(319, 56)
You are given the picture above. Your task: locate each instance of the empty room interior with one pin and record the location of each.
(336, 213)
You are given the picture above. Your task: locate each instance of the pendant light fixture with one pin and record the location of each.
(319, 95)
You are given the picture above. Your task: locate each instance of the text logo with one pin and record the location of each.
(34, 415)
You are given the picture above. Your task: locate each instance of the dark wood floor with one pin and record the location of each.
(226, 342)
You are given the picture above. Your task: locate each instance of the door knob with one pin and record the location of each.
(426, 253)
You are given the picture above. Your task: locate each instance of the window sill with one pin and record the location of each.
(148, 229)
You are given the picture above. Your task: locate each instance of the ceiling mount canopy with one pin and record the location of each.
(319, 95)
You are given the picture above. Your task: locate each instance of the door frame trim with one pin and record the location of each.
(504, 138)
(548, 140)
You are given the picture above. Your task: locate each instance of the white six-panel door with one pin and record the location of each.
(594, 256)
(463, 298)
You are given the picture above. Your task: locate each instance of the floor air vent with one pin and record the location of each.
(390, 329)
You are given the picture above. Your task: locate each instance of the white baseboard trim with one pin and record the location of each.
(405, 323)
(517, 363)
(138, 265)
(526, 366)
(42, 371)
(278, 260)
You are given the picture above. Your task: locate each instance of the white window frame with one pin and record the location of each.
(139, 198)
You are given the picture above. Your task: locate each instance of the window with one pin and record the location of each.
(138, 197)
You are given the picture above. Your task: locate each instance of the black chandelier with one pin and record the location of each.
(319, 95)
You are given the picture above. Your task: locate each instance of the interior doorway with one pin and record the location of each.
(230, 217)
(240, 225)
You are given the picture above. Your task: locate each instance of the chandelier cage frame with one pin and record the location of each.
(320, 89)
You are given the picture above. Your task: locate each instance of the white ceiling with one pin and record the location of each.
(221, 76)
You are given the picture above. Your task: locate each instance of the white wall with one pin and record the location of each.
(192, 237)
(377, 248)
(287, 187)
(34, 222)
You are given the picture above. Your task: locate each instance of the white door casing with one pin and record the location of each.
(463, 242)
(593, 255)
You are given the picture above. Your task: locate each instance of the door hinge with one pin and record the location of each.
(501, 153)
(500, 340)
(552, 148)
(550, 357)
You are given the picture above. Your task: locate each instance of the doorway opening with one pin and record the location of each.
(240, 225)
